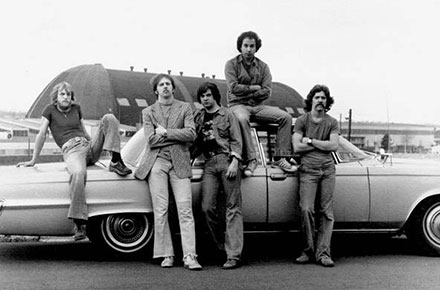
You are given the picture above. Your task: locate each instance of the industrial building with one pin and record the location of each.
(405, 138)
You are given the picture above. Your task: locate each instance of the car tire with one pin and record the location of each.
(124, 233)
(424, 229)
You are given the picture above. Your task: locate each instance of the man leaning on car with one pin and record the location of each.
(315, 137)
(64, 118)
(219, 140)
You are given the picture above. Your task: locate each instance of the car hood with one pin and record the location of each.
(404, 166)
(49, 172)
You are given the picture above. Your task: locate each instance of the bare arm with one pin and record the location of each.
(330, 145)
(298, 144)
(39, 142)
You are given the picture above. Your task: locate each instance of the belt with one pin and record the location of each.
(72, 141)
(212, 154)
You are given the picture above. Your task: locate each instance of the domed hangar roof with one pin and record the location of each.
(126, 93)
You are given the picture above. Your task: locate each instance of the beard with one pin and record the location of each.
(64, 106)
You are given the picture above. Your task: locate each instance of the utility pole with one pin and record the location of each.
(349, 124)
(340, 122)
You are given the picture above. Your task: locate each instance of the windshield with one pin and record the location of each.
(348, 152)
(134, 149)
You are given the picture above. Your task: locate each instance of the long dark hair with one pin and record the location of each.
(317, 89)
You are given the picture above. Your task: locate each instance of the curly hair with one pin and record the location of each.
(58, 88)
(157, 78)
(250, 35)
(214, 90)
(316, 89)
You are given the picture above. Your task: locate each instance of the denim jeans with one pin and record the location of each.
(317, 183)
(161, 173)
(78, 153)
(214, 179)
(264, 114)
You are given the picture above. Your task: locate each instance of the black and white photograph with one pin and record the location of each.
(219, 144)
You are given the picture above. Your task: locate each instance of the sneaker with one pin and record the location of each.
(167, 262)
(190, 262)
(250, 168)
(285, 165)
(80, 232)
(326, 262)
(232, 264)
(303, 259)
(119, 168)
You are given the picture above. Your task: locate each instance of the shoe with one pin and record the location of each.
(250, 168)
(232, 264)
(167, 262)
(80, 232)
(303, 259)
(120, 168)
(284, 165)
(326, 262)
(190, 262)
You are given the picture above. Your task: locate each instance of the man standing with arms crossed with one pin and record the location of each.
(249, 83)
(316, 136)
(64, 118)
(219, 139)
(169, 130)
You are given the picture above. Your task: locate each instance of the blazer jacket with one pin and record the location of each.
(180, 135)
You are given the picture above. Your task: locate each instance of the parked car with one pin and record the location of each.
(371, 196)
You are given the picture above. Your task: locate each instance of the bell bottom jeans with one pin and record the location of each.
(79, 152)
(317, 183)
(160, 175)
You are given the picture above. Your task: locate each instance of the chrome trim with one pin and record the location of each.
(345, 231)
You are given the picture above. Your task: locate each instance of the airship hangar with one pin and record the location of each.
(126, 93)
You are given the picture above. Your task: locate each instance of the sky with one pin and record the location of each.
(379, 58)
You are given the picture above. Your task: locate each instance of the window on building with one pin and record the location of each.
(141, 102)
(123, 102)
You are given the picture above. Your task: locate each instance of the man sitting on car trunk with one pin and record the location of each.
(64, 118)
(316, 136)
(249, 84)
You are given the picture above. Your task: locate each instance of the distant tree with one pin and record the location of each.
(385, 141)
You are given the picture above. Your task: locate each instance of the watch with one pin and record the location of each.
(309, 142)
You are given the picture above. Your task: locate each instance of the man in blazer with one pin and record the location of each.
(169, 131)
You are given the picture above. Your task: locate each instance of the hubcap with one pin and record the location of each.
(127, 233)
(432, 224)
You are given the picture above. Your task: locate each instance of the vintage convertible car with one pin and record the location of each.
(371, 196)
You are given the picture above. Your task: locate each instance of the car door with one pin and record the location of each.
(352, 198)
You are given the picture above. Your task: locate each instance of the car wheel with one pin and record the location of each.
(425, 227)
(124, 233)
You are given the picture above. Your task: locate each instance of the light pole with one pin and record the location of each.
(349, 124)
